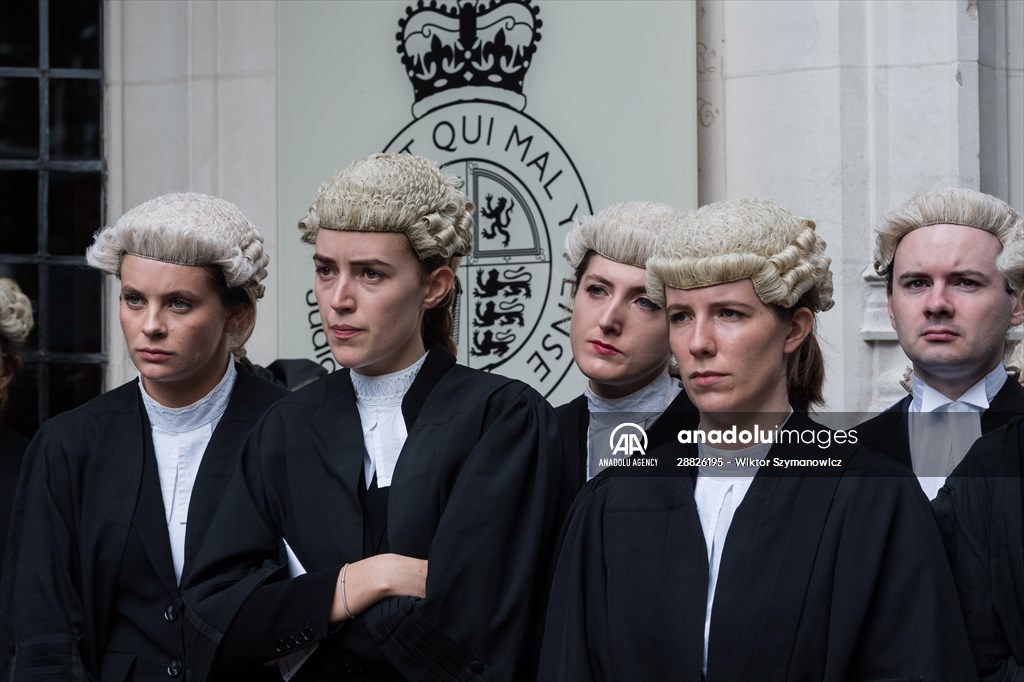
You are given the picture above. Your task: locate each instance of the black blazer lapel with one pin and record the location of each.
(1007, 539)
(250, 398)
(437, 364)
(403, 525)
(107, 519)
(149, 522)
(573, 421)
(219, 462)
(686, 587)
(336, 424)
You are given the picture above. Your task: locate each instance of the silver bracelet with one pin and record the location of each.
(344, 601)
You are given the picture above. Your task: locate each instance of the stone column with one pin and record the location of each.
(191, 94)
(841, 111)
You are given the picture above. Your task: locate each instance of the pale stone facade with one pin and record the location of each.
(842, 110)
(837, 109)
(191, 105)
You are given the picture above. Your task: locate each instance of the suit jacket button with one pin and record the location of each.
(174, 668)
(408, 608)
(171, 613)
(280, 645)
(308, 634)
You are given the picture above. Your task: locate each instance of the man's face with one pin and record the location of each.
(950, 306)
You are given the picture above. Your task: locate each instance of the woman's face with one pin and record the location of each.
(372, 294)
(732, 349)
(176, 327)
(618, 335)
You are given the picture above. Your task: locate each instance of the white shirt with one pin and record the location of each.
(941, 430)
(642, 407)
(180, 436)
(379, 401)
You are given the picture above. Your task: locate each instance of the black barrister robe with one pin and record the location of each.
(979, 511)
(827, 574)
(574, 420)
(475, 492)
(90, 585)
(888, 432)
(12, 450)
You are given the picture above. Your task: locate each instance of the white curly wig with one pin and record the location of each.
(187, 229)
(623, 232)
(396, 193)
(16, 321)
(955, 206)
(751, 239)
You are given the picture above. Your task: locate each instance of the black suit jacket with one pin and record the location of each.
(980, 513)
(888, 432)
(91, 495)
(12, 450)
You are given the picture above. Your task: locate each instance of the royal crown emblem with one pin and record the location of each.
(467, 62)
(487, 45)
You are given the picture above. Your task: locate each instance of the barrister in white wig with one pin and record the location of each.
(119, 493)
(953, 262)
(719, 563)
(619, 339)
(418, 497)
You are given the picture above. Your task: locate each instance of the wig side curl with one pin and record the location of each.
(752, 239)
(16, 321)
(1011, 261)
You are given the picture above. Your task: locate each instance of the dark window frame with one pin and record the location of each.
(43, 166)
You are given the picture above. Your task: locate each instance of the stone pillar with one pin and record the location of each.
(191, 93)
(841, 111)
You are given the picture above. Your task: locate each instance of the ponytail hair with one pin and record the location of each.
(438, 323)
(805, 376)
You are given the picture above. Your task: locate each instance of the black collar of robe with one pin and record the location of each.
(437, 364)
